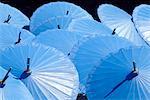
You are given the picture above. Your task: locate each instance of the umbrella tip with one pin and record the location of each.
(67, 12)
(113, 33)
(134, 72)
(58, 26)
(8, 19)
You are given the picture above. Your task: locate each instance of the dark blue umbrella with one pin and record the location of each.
(89, 52)
(124, 75)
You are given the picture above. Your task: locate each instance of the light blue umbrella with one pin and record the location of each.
(12, 89)
(46, 72)
(89, 27)
(119, 21)
(62, 12)
(10, 35)
(60, 22)
(63, 40)
(124, 75)
(90, 51)
(11, 15)
(142, 21)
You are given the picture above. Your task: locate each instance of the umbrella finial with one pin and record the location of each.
(67, 12)
(58, 26)
(134, 66)
(4, 79)
(8, 19)
(132, 19)
(113, 33)
(27, 72)
(134, 72)
(19, 39)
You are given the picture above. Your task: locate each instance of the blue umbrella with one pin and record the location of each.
(124, 75)
(60, 39)
(89, 27)
(11, 15)
(12, 89)
(142, 21)
(10, 35)
(59, 11)
(119, 21)
(46, 72)
(89, 52)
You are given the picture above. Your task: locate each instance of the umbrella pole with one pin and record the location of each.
(4, 79)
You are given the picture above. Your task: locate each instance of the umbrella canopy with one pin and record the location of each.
(60, 11)
(124, 75)
(12, 89)
(89, 27)
(45, 71)
(120, 22)
(142, 20)
(10, 35)
(60, 22)
(60, 39)
(11, 15)
(89, 52)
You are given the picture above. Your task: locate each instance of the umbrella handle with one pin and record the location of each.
(4, 79)
(58, 26)
(19, 39)
(28, 64)
(8, 19)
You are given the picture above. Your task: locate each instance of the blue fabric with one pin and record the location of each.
(61, 39)
(13, 89)
(117, 68)
(141, 19)
(53, 76)
(52, 14)
(88, 54)
(89, 27)
(121, 21)
(11, 15)
(9, 35)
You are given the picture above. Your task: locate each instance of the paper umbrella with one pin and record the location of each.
(123, 75)
(12, 89)
(46, 72)
(56, 15)
(11, 15)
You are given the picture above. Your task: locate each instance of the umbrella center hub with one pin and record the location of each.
(25, 74)
(132, 75)
(1, 84)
